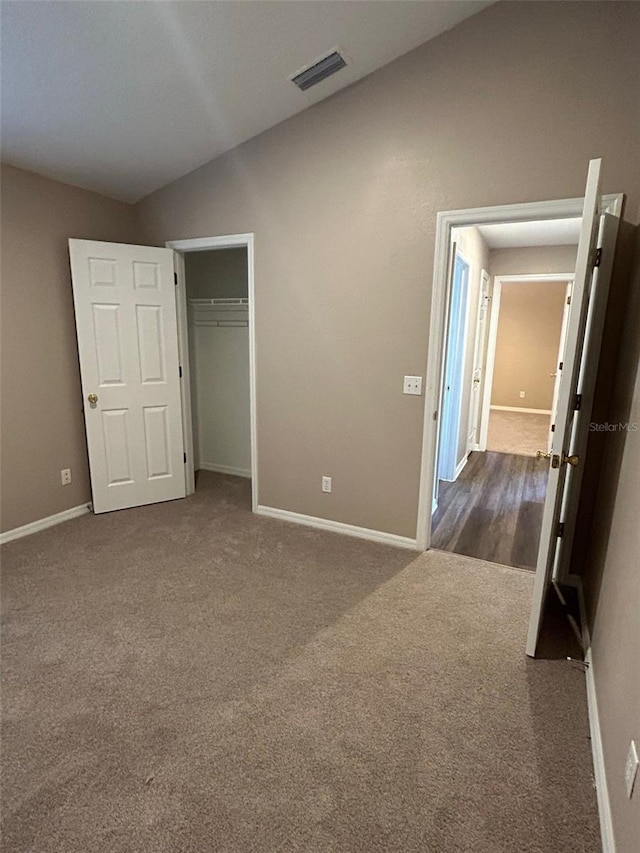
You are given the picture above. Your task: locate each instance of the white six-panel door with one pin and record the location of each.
(128, 348)
(577, 347)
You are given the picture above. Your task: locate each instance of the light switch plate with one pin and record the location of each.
(412, 385)
(631, 768)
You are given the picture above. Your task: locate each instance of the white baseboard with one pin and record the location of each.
(520, 409)
(43, 523)
(597, 749)
(338, 527)
(460, 467)
(225, 469)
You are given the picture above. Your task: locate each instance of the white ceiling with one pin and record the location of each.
(516, 235)
(124, 97)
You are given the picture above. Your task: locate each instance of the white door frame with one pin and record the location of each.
(492, 339)
(479, 362)
(446, 220)
(203, 244)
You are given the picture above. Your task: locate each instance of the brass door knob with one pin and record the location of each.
(93, 399)
(570, 460)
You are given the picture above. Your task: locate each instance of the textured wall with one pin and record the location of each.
(221, 273)
(611, 560)
(532, 260)
(342, 199)
(527, 344)
(42, 418)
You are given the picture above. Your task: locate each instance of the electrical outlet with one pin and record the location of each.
(631, 768)
(412, 385)
(326, 484)
(65, 476)
(522, 393)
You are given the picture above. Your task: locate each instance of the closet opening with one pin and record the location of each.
(214, 300)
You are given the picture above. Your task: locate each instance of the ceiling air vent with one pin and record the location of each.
(320, 70)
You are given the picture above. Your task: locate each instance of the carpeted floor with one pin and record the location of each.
(521, 433)
(190, 677)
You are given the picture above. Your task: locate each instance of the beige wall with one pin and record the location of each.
(343, 198)
(42, 420)
(616, 640)
(221, 273)
(527, 344)
(532, 260)
(474, 249)
(612, 576)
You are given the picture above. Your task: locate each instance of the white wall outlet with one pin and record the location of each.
(522, 393)
(65, 476)
(326, 484)
(631, 768)
(412, 385)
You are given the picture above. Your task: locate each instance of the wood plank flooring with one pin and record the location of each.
(493, 511)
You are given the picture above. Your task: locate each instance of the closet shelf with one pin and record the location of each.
(220, 303)
(220, 312)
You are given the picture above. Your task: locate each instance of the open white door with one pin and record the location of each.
(588, 300)
(450, 424)
(128, 348)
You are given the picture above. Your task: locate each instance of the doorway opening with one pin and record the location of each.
(509, 294)
(599, 218)
(216, 340)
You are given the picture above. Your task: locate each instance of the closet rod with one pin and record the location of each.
(236, 302)
(234, 323)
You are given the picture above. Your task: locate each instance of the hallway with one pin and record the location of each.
(493, 511)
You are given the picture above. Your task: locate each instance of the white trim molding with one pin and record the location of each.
(203, 244)
(446, 220)
(44, 523)
(225, 469)
(338, 527)
(597, 750)
(520, 409)
(602, 790)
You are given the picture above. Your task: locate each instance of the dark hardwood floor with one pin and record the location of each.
(493, 511)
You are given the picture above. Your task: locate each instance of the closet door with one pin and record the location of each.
(128, 347)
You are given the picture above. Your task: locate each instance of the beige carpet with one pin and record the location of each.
(520, 433)
(190, 677)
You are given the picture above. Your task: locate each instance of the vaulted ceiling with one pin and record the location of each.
(124, 97)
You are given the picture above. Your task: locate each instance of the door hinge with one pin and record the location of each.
(561, 365)
(597, 258)
(435, 416)
(175, 278)
(553, 427)
(180, 371)
(560, 530)
(568, 300)
(577, 403)
(184, 456)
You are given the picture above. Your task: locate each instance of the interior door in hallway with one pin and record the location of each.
(128, 348)
(473, 439)
(582, 348)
